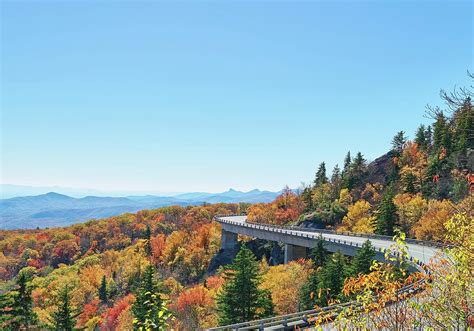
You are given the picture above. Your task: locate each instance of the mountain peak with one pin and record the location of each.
(56, 195)
(256, 190)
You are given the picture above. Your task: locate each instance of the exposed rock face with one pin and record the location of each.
(312, 222)
(272, 252)
(223, 257)
(380, 169)
(277, 255)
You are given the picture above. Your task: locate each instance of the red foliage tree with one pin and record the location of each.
(110, 317)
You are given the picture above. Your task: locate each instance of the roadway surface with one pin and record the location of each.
(421, 252)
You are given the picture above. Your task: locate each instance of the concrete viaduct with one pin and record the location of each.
(298, 241)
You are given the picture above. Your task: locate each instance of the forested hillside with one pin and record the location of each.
(415, 187)
(149, 270)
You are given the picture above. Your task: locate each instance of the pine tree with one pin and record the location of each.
(363, 259)
(308, 293)
(332, 279)
(398, 142)
(23, 316)
(321, 177)
(103, 295)
(420, 138)
(149, 309)
(336, 181)
(409, 181)
(319, 253)
(463, 137)
(387, 214)
(148, 241)
(429, 137)
(441, 136)
(64, 318)
(6, 314)
(307, 198)
(356, 171)
(240, 298)
(347, 163)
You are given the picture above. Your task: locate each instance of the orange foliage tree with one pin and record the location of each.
(284, 281)
(286, 208)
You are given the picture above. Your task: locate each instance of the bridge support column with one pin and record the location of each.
(228, 240)
(293, 252)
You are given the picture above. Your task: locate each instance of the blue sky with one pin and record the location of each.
(205, 96)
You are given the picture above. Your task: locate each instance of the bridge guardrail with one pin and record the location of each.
(303, 317)
(345, 233)
(280, 229)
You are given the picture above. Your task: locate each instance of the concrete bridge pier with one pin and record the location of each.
(228, 240)
(293, 252)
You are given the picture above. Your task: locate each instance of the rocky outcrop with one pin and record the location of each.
(223, 257)
(379, 170)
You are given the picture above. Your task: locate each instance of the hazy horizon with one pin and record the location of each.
(8, 190)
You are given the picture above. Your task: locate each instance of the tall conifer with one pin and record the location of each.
(149, 310)
(64, 318)
(103, 295)
(241, 299)
(387, 215)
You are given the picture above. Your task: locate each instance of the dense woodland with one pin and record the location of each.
(149, 270)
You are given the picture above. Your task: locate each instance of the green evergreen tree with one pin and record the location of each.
(308, 296)
(149, 309)
(22, 306)
(324, 283)
(363, 259)
(347, 163)
(387, 215)
(319, 253)
(336, 181)
(103, 295)
(441, 134)
(307, 198)
(429, 137)
(410, 183)
(148, 241)
(6, 314)
(398, 142)
(356, 172)
(463, 136)
(241, 299)
(64, 318)
(332, 279)
(321, 177)
(16, 306)
(420, 138)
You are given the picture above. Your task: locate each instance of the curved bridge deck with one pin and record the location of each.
(347, 242)
(420, 253)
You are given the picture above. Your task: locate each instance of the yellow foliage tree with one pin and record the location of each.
(431, 224)
(261, 212)
(359, 218)
(284, 282)
(413, 163)
(322, 196)
(410, 209)
(345, 198)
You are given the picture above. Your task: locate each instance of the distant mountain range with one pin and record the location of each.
(8, 191)
(54, 209)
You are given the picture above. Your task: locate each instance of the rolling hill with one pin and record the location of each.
(54, 209)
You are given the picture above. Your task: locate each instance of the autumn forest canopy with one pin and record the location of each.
(164, 269)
